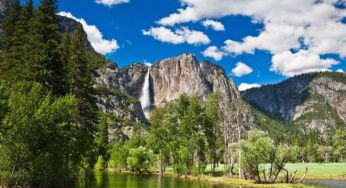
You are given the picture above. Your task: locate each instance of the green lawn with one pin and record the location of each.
(320, 170)
(315, 170)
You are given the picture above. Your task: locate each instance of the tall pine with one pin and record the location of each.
(78, 79)
(44, 40)
(8, 38)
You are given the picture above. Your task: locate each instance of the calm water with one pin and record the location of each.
(117, 180)
(326, 183)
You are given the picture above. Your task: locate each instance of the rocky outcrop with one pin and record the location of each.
(315, 101)
(171, 77)
(127, 110)
(174, 76)
(4, 6)
(69, 25)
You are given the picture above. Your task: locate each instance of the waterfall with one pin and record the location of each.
(145, 97)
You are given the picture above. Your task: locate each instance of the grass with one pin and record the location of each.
(320, 170)
(245, 183)
(336, 171)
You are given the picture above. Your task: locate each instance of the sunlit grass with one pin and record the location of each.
(320, 170)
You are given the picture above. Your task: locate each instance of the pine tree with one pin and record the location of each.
(8, 36)
(44, 40)
(8, 25)
(16, 65)
(102, 136)
(79, 81)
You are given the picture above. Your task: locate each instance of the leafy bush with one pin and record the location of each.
(140, 159)
(100, 163)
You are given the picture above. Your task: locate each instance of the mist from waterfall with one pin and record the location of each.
(145, 97)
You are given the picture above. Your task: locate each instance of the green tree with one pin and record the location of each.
(102, 137)
(44, 39)
(119, 154)
(339, 145)
(312, 148)
(100, 164)
(212, 130)
(79, 81)
(156, 137)
(256, 150)
(8, 25)
(40, 140)
(140, 159)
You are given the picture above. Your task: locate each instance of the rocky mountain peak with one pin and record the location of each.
(316, 101)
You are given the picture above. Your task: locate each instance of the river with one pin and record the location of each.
(118, 180)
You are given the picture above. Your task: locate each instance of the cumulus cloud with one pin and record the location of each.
(241, 69)
(181, 35)
(245, 86)
(95, 36)
(340, 70)
(289, 25)
(290, 64)
(214, 53)
(111, 2)
(217, 26)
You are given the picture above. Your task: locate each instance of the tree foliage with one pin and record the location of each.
(40, 138)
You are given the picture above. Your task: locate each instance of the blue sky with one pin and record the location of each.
(295, 39)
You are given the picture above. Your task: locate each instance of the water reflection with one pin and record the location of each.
(326, 183)
(117, 180)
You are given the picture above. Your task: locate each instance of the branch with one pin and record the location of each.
(301, 179)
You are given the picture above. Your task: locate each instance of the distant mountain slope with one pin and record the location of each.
(315, 101)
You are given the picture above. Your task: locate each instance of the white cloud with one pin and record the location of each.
(214, 53)
(111, 2)
(245, 86)
(340, 70)
(241, 69)
(217, 26)
(165, 35)
(95, 36)
(291, 64)
(309, 25)
(179, 36)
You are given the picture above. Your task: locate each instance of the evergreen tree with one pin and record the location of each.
(9, 23)
(16, 63)
(8, 27)
(44, 40)
(102, 137)
(79, 81)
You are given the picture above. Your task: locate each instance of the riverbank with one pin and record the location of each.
(331, 171)
(221, 180)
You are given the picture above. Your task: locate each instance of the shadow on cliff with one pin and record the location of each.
(280, 100)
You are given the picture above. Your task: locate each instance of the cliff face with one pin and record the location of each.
(4, 5)
(315, 101)
(126, 109)
(171, 77)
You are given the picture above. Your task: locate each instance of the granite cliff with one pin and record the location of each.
(313, 102)
(171, 77)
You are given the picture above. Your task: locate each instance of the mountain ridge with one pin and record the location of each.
(311, 102)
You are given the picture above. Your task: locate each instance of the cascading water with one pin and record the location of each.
(145, 97)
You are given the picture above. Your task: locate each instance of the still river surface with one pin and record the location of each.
(118, 180)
